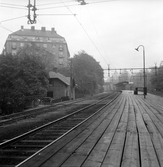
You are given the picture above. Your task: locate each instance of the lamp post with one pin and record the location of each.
(137, 49)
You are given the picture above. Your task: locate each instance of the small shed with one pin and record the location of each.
(59, 85)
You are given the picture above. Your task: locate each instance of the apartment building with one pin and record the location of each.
(47, 39)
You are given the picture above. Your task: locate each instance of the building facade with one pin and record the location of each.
(49, 40)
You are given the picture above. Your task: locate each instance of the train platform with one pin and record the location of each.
(129, 133)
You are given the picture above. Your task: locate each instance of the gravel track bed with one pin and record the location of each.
(17, 128)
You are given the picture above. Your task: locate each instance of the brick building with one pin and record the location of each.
(48, 39)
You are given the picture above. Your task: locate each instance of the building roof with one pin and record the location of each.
(59, 76)
(121, 83)
(34, 32)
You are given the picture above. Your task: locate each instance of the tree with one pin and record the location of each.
(87, 72)
(20, 76)
(47, 58)
(157, 78)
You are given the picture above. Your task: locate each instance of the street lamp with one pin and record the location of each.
(137, 49)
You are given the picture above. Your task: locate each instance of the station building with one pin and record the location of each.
(59, 85)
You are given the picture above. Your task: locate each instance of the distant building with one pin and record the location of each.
(49, 40)
(122, 85)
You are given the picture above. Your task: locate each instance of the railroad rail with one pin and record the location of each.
(36, 111)
(129, 132)
(15, 151)
(33, 112)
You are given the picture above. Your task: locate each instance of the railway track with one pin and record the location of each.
(34, 112)
(37, 111)
(16, 151)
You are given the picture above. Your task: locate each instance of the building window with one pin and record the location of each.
(61, 54)
(45, 45)
(25, 38)
(45, 39)
(53, 45)
(13, 52)
(51, 82)
(61, 62)
(33, 39)
(60, 47)
(37, 44)
(14, 45)
(41, 38)
(21, 44)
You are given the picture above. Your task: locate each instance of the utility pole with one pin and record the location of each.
(33, 9)
(72, 95)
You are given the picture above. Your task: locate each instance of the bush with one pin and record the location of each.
(20, 76)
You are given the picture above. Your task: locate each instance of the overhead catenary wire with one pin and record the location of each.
(96, 32)
(5, 28)
(12, 4)
(52, 7)
(56, 7)
(87, 34)
(12, 19)
(13, 7)
(63, 14)
(52, 14)
(52, 3)
(7, 5)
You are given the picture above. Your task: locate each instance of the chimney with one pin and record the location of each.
(32, 28)
(43, 29)
(53, 30)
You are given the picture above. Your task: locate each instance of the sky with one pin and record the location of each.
(108, 30)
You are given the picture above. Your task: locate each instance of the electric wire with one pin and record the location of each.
(56, 7)
(52, 7)
(86, 31)
(86, 34)
(7, 5)
(101, 1)
(61, 14)
(40, 22)
(12, 19)
(51, 3)
(96, 31)
(18, 6)
(5, 28)
(12, 7)
(55, 14)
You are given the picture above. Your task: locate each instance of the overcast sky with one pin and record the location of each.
(108, 30)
